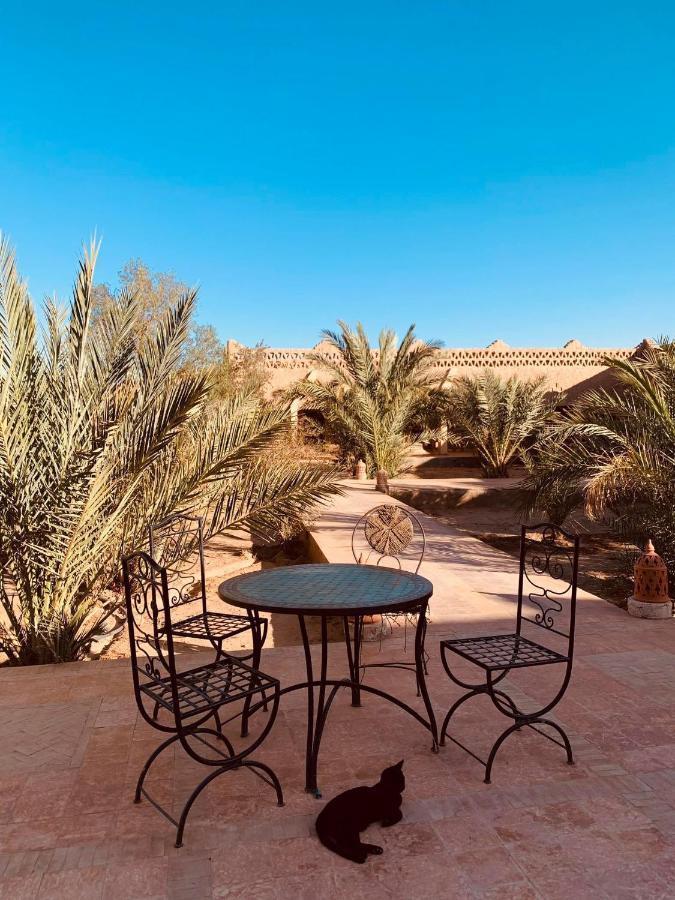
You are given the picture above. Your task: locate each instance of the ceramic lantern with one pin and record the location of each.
(382, 481)
(360, 471)
(650, 591)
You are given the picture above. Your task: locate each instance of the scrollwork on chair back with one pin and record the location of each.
(548, 578)
(389, 532)
(173, 544)
(147, 617)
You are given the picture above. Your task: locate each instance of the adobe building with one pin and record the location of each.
(570, 368)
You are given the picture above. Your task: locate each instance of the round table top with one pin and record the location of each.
(327, 589)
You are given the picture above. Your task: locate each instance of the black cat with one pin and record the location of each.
(343, 818)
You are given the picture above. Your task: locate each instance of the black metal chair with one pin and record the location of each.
(173, 543)
(389, 532)
(547, 589)
(191, 700)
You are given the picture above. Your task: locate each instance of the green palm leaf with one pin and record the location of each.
(102, 431)
(371, 398)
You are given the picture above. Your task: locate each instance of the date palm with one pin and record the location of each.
(372, 398)
(614, 450)
(102, 432)
(498, 418)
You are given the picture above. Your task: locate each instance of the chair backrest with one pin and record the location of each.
(547, 585)
(389, 532)
(146, 591)
(173, 543)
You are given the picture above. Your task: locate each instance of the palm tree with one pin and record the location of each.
(371, 402)
(614, 450)
(498, 418)
(102, 432)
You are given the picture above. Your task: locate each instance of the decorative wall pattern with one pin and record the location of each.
(562, 367)
(474, 358)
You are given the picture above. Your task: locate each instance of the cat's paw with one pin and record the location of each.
(374, 849)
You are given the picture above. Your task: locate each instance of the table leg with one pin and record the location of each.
(257, 638)
(420, 667)
(354, 657)
(310, 761)
(318, 707)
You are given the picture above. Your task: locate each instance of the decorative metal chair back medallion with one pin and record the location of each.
(389, 533)
(548, 575)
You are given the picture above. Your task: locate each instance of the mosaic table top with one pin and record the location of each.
(327, 589)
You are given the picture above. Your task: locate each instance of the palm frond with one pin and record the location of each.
(372, 399)
(102, 431)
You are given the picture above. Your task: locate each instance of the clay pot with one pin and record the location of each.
(651, 577)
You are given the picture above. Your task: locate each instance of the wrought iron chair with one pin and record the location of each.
(191, 700)
(389, 532)
(547, 585)
(172, 543)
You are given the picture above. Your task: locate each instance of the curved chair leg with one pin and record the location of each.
(220, 735)
(276, 784)
(193, 796)
(453, 709)
(495, 747)
(514, 709)
(563, 735)
(211, 777)
(148, 763)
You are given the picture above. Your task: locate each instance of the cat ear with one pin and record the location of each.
(399, 765)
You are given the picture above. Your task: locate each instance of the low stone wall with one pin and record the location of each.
(437, 499)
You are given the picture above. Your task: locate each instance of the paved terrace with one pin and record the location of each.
(71, 745)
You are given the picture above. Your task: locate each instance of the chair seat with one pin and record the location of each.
(220, 625)
(503, 651)
(210, 686)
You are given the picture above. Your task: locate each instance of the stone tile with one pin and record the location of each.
(10, 789)
(431, 875)
(147, 879)
(492, 870)
(44, 796)
(91, 795)
(20, 887)
(189, 877)
(75, 884)
(319, 887)
(620, 883)
(46, 737)
(301, 857)
(467, 832)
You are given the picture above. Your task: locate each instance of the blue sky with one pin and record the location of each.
(484, 169)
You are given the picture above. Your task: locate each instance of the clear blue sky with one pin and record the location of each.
(485, 169)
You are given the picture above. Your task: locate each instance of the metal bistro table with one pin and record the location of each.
(344, 591)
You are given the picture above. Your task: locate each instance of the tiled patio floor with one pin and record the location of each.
(71, 745)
